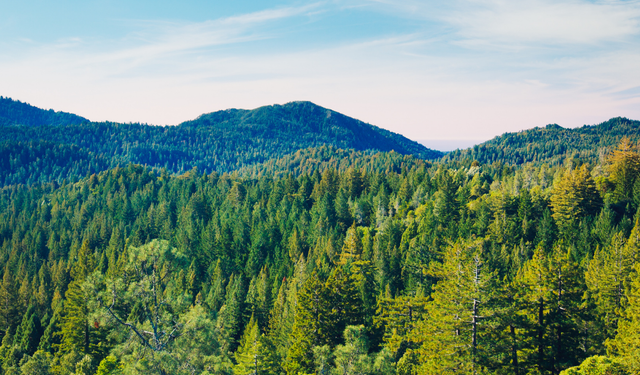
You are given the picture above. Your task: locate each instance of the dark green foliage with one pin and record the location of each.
(552, 144)
(63, 148)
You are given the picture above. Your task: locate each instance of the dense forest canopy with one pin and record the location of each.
(317, 260)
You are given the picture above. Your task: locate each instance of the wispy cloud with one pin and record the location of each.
(547, 62)
(527, 21)
(550, 22)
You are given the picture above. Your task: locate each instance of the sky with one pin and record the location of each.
(453, 72)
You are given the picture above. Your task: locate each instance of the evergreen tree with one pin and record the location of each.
(75, 329)
(460, 314)
(627, 342)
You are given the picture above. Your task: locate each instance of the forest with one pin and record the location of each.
(518, 256)
(38, 146)
(419, 268)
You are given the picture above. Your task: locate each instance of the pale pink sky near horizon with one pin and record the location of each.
(462, 70)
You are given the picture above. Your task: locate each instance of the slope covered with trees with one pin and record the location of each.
(553, 144)
(425, 269)
(221, 141)
(14, 112)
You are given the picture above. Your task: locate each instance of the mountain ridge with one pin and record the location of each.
(552, 144)
(221, 141)
(15, 112)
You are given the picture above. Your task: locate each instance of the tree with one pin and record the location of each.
(9, 310)
(309, 326)
(623, 165)
(147, 303)
(574, 196)
(626, 344)
(460, 314)
(352, 357)
(606, 276)
(75, 328)
(549, 290)
(255, 355)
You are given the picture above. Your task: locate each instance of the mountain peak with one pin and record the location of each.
(304, 122)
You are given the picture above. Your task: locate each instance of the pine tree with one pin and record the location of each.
(549, 291)
(573, 197)
(627, 342)
(255, 355)
(76, 332)
(50, 339)
(352, 248)
(606, 276)
(344, 306)
(31, 331)
(623, 165)
(460, 314)
(309, 327)
(9, 310)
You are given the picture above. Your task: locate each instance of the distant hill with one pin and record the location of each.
(14, 112)
(304, 123)
(552, 144)
(221, 141)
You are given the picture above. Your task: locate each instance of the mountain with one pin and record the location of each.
(15, 112)
(310, 124)
(221, 141)
(552, 144)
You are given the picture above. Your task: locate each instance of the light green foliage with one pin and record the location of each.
(598, 365)
(146, 300)
(255, 354)
(626, 344)
(352, 357)
(574, 196)
(108, 366)
(195, 350)
(38, 364)
(606, 276)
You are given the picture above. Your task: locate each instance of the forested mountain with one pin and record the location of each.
(421, 270)
(14, 112)
(321, 251)
(221, 141)
(552, 144)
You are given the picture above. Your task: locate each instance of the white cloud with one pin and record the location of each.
(554, 22)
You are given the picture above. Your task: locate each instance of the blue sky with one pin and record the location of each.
(455, 70)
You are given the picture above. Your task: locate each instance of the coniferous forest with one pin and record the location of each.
(321, 259)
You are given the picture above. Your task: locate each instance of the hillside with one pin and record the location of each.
(307, 123)
(15, 112)
(552, 144)
(221, 141)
